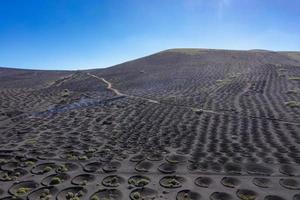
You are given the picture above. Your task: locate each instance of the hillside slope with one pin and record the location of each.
(180, 124)
(212, 79)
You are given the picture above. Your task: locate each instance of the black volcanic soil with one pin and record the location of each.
(180, 124)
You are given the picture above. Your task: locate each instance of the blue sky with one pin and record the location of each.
(81, 34)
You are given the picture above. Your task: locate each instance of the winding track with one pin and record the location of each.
(109, 85)
(200, 110)
(117, 92)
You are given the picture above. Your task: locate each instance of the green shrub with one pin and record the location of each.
(295, 78)
(46, 195)
(83, 182)
(47, 169)
(83, 158)
(295, 92)
(6, 177)
(71, 157)
(55, 181)
(136, 195)
(29, 163)
(17, 174)
(72, 196)
(247, 197)
(173, 182)
(224, 82)
(142, 182)
(293, 104)
(23, 190)
(62, 168)
(95, 198)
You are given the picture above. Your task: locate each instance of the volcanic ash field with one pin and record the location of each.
(182, 124)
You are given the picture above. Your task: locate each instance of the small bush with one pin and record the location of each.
(95, 198)
(186, 196)
(71, 157)
(132, 181)
(224, 82)
(142, 182)
(29, 163)
(114, 180)
(6, 177)
(55, 181)
(23, 190)
(83, 183)
(295, 78)
(136, 195)
(62, 168)
(293, 104)
(47, 169)
(295, 92)
(91, 150)
(72, 196)
(247, 197)
(83, 158)
(173, 182)
(46, 195)
(65, 93)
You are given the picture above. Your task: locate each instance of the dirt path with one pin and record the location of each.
(117, 92)
(109, 85)
(61, 80)
(199, 110)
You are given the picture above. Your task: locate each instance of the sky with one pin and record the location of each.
(83, 34)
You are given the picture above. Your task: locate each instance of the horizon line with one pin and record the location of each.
(149, 54)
